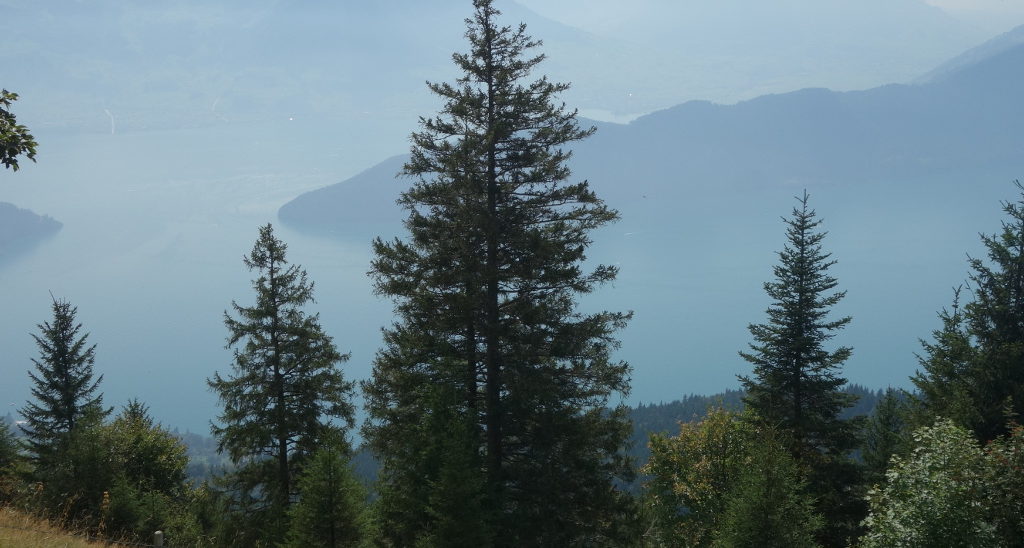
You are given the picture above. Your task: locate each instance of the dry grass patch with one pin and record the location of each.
(19, 530)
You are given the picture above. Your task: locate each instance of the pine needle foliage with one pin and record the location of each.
(886, 434)
(796, 382)
(796, 386)
(768, 505)
(943, 386)
(63, 386)
(285, 393)
(330, 512)
(971, 372)
(485, 287)
(9, 449)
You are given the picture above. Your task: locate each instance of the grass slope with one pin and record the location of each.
(19, 530)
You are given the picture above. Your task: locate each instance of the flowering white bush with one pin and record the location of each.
(934, 497)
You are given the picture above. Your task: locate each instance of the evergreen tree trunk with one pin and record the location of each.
(494, 381)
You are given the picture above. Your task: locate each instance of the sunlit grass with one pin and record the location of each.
(19, 530)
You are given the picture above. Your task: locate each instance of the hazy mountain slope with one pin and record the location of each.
(115, 66)
(752, 48)
(990, 48)
(905, 177)
(665, 417)
(21, 230)
(368, 198)
(107, 65)
(964, 124)
(647, 419)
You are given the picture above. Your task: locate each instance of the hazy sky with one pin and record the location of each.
(990, 8)
(993, 15)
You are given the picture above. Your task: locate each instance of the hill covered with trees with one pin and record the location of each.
(21, 230)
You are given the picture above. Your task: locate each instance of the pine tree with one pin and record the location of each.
(796, 384)
(485, 290)
(944, 387)
(145, 452)
(122, 474)
(63, 385)
(9, 448)
(331, 506)
(885, 435)
(995, 319)
(285, 390)
(768, 505)
(973, 370)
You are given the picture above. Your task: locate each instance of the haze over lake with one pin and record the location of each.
(162, 159)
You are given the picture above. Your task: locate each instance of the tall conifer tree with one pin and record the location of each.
(491, 386)
(63, 386)
(796, 384)
(973, 370)
(285, 390)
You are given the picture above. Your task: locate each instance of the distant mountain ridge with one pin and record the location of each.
(991, 48)
(21, 229)
(905, 177)
(963, 121)
(187, 63)
(664, 418)
(647, 419)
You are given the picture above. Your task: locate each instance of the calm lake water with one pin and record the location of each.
(155, 226)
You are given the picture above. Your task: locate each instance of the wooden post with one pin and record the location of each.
(158, 538)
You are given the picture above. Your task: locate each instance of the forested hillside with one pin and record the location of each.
(21, 230)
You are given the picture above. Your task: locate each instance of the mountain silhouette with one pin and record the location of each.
(904, 176)
(21, 230)
(956, 127)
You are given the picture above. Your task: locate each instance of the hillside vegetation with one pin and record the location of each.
(18, 530)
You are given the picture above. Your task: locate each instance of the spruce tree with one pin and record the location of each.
(63, 386)
(285, 393)
(944, 388)
(885, 435)
(488, 336)
(768, 505)
(330, 511)
(796, 384)
(9, 449)
(973, 370)
(995, 319)
(139, 465)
